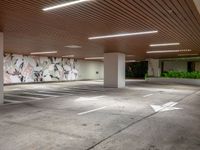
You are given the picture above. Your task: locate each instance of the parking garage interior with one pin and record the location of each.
(99, 75)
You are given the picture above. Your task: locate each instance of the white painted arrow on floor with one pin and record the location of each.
(81, 99)
(166, 107)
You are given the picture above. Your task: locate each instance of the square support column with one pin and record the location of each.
(114, 70)
(1, 68)
(154, 68)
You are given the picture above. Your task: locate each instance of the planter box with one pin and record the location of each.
(175, 80)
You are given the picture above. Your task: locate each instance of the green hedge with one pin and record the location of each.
(175, 74)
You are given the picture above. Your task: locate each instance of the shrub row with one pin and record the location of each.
(175, 74)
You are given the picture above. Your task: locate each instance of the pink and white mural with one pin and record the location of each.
(21, 69)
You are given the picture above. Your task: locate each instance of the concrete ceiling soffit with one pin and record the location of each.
(197, 4)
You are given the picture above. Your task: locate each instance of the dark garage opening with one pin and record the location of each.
(136, 69)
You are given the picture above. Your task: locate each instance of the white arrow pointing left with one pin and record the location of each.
(166, 107)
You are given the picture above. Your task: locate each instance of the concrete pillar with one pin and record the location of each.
(154, 69)
(1, 68)
(114, 70)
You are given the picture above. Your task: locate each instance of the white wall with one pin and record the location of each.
(197, 4)
(88, 69)
(175, 65)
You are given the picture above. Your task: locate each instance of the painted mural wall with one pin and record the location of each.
(21, 69)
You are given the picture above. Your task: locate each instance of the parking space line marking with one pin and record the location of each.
(56, 92)
(12, 101)
(28, 97)
(147, 95)
(41, 94)
(86, 112)
(198, 92)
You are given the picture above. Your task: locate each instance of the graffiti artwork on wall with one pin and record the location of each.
(19, 69)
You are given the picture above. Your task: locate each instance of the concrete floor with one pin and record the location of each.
(83, 115)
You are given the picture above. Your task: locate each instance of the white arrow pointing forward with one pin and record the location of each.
(166, 107)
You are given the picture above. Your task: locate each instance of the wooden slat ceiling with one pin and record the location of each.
(29, 29)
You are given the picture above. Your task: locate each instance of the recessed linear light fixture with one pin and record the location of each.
(94, 58)
(121, 35)
(73, 46)
(164, 44)
(127, 61)
(130, 55)
(39, 53)
(64, 5)
(68, 56)
(188, 54)
(168, 51)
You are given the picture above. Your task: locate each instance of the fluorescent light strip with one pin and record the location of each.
(38, 53)
(168, 51)
(73, 46)
(64, 5)
(130, 55)
(164, 44)
(68, 56)
(121, 35)
(93, 58)
(130, 61)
